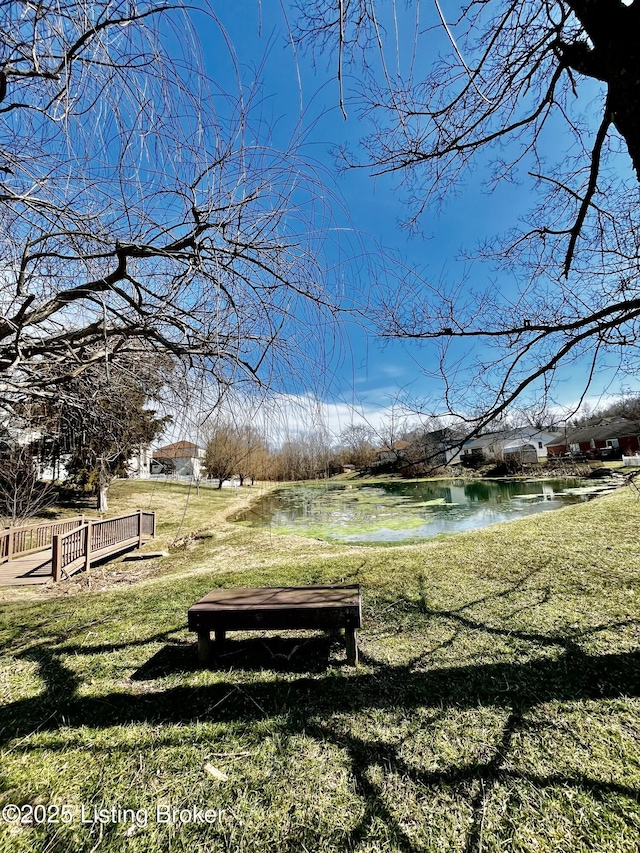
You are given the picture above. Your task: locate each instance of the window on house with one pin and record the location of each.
(613, 442)
(539, 445)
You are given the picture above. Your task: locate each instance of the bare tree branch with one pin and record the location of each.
(551, 90)
(138, 206)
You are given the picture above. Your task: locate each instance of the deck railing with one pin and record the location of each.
(19, 541)
(95, 539)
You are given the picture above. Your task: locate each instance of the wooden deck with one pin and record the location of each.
(32, 569)
(56, 550)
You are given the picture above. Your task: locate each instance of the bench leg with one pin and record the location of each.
(220, 635)
(351, 640)
(204, 647)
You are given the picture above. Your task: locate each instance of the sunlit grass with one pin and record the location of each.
(496, 708)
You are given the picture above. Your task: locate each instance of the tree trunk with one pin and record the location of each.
(614, 58)
(101, 495)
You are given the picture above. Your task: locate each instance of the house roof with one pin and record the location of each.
(178, 450)
(444, 434)
(517, 444)
(516, 437)
(601, 431)
(481, 441)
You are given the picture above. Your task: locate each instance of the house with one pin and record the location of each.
(139, 465)
(55, 469)
(527, 445)
(609, 438)
(422, 450)
(436, 447)
(391, 452)
(180, 459)
(471, 450)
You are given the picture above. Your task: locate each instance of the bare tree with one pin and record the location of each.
(139, 210)
(357, 443)
(303, 456)
(23, 494)
(627, 407)
(544, 418)
(253, 453)
(395, 426)
(550, 92)
(225, 451)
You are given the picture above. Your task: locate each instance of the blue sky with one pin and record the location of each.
(364, 375)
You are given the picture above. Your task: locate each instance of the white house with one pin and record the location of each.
(138, 466)
(182, 459)
(527, 444)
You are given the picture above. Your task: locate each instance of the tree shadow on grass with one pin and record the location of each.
(307, 705)
(300, 654)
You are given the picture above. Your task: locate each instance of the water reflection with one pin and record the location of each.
(398, 511)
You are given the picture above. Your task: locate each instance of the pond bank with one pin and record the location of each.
(498, 698)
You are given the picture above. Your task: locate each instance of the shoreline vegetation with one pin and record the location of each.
(496, 707)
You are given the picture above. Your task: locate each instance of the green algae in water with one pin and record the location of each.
(408, 511)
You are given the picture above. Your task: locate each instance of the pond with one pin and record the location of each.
(405, 511)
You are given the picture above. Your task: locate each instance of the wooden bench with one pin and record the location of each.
(273, 608)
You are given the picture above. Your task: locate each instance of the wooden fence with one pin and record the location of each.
(19, 541)
(631, 461)
(76, 542)
(94, 540)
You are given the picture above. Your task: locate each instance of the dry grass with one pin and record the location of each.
(497, 707)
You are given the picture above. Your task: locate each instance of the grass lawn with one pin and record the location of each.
(496, 707)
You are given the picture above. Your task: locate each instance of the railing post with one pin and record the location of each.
(10, 544)
(139, 528)
(87, 546)
(56, 556)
